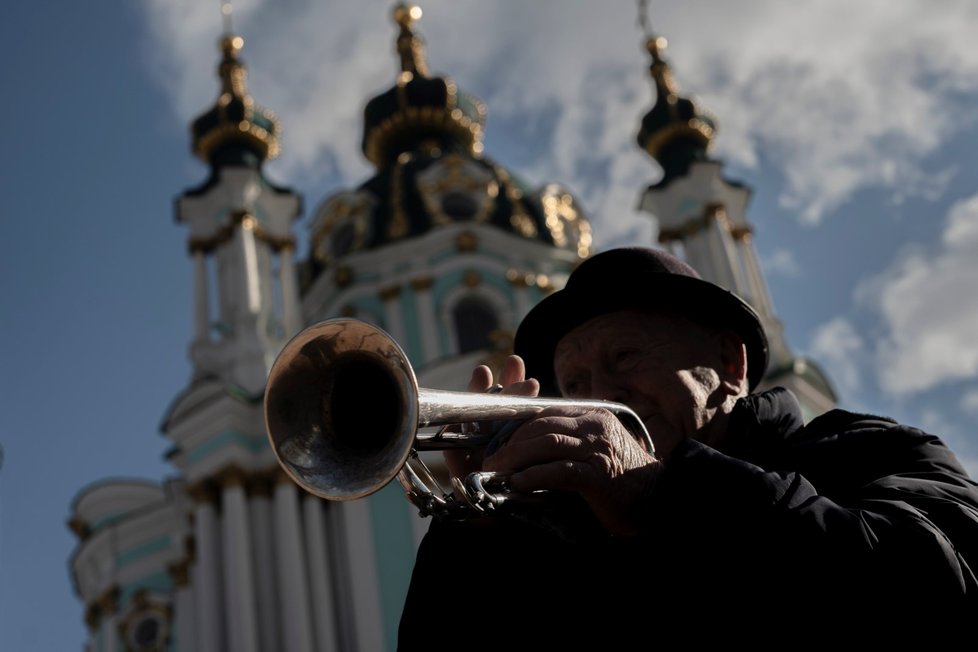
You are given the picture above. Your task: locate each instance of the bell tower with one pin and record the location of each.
(702, 216)
(246, 299)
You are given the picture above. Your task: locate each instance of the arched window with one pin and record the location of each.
(474, 321)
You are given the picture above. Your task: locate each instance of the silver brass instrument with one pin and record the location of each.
(343, 412)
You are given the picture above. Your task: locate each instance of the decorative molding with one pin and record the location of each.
(202, 491)
(388, 293)
(712, 212)
(246, 221)
(422, 283)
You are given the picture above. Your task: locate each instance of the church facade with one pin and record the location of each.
(442, 247)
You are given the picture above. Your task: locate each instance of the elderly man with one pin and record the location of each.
(743, 517)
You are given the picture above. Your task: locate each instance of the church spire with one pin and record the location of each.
(702, 216)
(676, 131)
(410, 46)
(420, 109)
(235, 130)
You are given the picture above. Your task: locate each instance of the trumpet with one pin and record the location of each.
(345, 416)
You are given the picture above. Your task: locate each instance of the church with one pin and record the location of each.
(445, 249)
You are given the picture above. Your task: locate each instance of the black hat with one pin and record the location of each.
(634, 278)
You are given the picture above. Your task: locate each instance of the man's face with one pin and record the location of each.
(664, 367)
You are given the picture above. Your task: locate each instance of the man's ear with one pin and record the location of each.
(733, 359)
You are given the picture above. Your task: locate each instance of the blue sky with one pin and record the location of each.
(858, 137)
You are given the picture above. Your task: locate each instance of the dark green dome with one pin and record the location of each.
(235, 128)
(419, 109)
(676, 131)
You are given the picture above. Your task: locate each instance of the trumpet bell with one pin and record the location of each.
(341, 409)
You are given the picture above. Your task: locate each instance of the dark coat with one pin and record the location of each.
(850, 526)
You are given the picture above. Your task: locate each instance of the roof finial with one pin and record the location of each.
(655, 45)
(226, 16)
(410, 47)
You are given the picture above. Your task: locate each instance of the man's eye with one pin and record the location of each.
(573, 388)
(625, 357)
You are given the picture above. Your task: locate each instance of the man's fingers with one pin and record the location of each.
(481, 379)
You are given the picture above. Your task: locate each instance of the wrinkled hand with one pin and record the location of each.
(587, 452)
(512, 377)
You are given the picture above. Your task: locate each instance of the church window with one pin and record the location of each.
(474, 320)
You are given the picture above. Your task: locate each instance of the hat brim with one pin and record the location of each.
(556, 315)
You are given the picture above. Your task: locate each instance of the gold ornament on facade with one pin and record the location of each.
(388, 293)
(79, 527)
(343, 276)
(519, 220)
(471, 278)
(179, 572)
(567, 227)
(454, 174)
(422, 283)
(353, 208)
(466, 241)
(379, 140)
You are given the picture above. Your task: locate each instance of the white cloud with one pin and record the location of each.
(780, 262)
(926, 301)
(969, 403)
(838, 105)
(839, 348)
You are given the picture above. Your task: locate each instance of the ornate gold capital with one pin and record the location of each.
(390, 292)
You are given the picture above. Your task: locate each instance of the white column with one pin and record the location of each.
(757, 293)
(363, 584)
(249, 251)
(291, 317)
(109, 606)
(239, 583)
(320, 582)
(262, 530)
(207, 580)
(292, 573)
(202, 317)
(184, 612)
(427, 319)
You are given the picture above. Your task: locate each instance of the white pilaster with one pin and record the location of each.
(291, 315)
(239, 584)
(207, 581)
(318, 554)
(292, 571)
(201, 301)
(425, 310)
(184, 613)
(363, 581)
(392, 313)
(266, 592)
